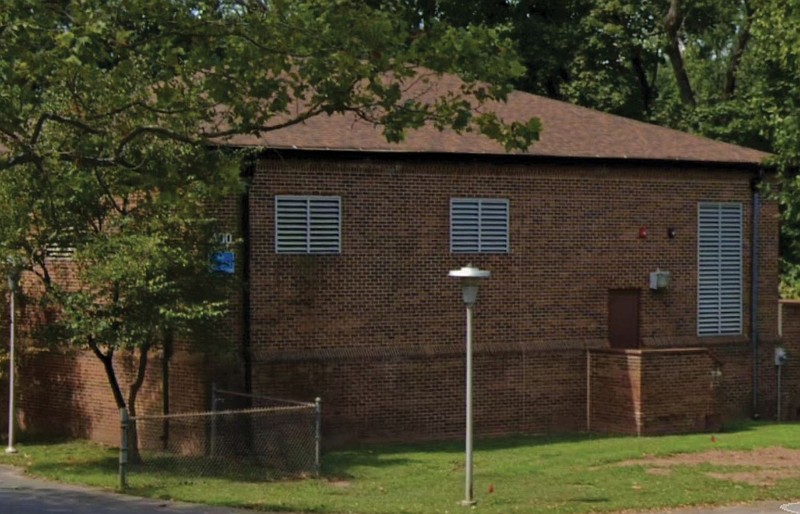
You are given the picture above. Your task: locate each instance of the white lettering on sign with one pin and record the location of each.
(223, 238)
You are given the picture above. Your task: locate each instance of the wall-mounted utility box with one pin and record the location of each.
(659, 279)
(780, 356)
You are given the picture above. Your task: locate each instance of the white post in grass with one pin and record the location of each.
(469, 277)
(13, 284)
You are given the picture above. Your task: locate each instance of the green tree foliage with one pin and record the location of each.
(548, 33)
(111, 112)
(680, 63)
(776, 59)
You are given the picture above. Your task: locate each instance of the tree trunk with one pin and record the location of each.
(672, 24)
(133, 391)
(641, 76)
(134, 456)
(108, 364)
(729, 90)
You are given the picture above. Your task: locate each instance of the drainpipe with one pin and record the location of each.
(754, 278)
(247, 358)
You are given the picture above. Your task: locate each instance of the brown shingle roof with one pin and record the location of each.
(567, 131)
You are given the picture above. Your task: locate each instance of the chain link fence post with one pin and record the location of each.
(123, 448)
(212, 446)
(318, 435)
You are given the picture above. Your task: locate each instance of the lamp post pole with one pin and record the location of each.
(469, 498)
(13, 281)
(469, 277)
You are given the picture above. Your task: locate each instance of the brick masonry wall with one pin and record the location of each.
(790, 374)
(653, 391)
(422, 397)
(615, 392)
(378, 331)
(678, 391)
(339, 326)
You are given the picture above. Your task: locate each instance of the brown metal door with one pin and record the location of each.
(623, 318)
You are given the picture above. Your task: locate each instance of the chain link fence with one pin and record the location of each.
(244, 437)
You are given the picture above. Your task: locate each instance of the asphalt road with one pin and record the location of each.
(24, 495)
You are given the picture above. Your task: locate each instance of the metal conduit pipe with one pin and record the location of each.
(244, 225)
(754, 278)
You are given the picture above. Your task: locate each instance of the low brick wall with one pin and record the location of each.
(679, 391)
(650, 392)
(614, 392)
(790, 374)
(69, 395)
(423, 396)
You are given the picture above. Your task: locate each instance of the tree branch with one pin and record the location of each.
(157, 131)
(106, 190)
(44, 118)
(17, 161)
(96, 161)
(314, 111)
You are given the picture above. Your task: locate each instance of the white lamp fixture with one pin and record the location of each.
(470, 277)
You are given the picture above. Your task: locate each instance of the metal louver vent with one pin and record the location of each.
(62, 245)
(719, 264)
(478, 225)
(307, 224)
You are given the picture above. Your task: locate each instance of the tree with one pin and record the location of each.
(679, 63)
(547, 33)
(111, 117)
(776, 59)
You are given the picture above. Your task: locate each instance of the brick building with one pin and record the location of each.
(349, 239)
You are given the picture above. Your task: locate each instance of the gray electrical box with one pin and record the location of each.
(780, 356)
(659, 279)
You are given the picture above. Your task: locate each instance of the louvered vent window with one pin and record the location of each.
(478, 225)
(307, 224)
(719, 260)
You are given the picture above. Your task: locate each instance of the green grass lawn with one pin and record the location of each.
(558, 474)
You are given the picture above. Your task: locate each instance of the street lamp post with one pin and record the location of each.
(469, 276)
(13, 283)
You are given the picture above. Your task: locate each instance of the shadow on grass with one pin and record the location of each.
(187, 469)
(103, 466)
(456, 446)
(746, 425)
(339, 463)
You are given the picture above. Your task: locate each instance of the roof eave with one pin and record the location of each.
(516, 158)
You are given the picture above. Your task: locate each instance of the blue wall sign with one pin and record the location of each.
(223, 262)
